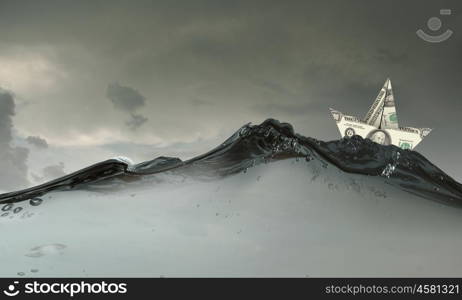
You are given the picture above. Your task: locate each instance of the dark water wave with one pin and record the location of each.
(270, 141)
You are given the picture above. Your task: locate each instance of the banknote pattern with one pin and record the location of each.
(389, 117)
(374, 113)
(380, 124)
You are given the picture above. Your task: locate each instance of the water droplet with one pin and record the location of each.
(17, 209)
(7, 207)
(35, 201)
(21, 273)
(34, 270)
(5, 214)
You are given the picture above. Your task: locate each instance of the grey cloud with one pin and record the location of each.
(125, 98)
(50, 172)
(274, 86)
(248, 59)
(37, 142)
(273, 109)
(12, 159)
(136, 121)
(200, 102)
(335, 85)
(54, 171)
(389, 56)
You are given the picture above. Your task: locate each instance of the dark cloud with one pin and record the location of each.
(13, 166)
(136, 121)
(125, 98)
(37, 142)
(291, 60)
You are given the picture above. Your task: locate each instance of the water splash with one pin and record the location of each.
(255, 144)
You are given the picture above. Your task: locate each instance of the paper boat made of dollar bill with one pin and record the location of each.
(381, 123)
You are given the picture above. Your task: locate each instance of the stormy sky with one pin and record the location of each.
(94, 79)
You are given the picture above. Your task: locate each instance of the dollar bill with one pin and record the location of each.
(382, 113)
(389, 117)
(373, 116)
(381, 123)
(403, 137)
